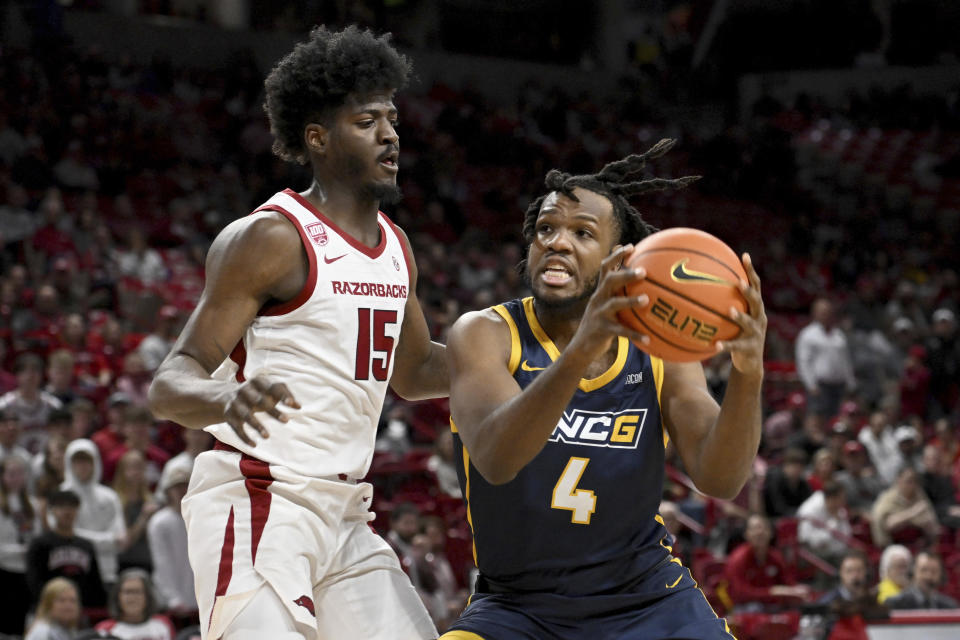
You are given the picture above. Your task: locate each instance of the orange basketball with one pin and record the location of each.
(692, 281)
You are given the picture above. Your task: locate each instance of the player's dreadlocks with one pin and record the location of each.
(612, 183)
(316, 77)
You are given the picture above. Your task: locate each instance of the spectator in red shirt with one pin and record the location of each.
(758, 576)
(915, 383)
(37, 328)
(52, 238)
(110, 436)
(137, 422)
(945, 440)
(90, 368)
(108, 343)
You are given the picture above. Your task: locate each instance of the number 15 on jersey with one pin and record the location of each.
(372, 339)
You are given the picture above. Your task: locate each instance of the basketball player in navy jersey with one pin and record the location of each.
(563, 424)
(309, 311)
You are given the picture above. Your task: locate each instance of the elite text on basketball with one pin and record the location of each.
(696, 328)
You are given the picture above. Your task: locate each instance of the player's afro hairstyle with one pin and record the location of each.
(613, 182)
(314, 79)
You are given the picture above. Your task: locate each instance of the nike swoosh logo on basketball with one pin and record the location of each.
(679, 272)
(332, 260)
(527, 367)
(675, 582)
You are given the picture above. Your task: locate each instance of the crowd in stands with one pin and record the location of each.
(114, 177)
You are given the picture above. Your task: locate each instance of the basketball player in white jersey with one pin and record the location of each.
(308, 313)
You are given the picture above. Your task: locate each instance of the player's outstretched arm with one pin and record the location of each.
(419, 365)
(502, 426)
(719, 443)
(254, 260)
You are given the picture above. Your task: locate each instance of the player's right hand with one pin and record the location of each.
(599, 324)
(257, 394)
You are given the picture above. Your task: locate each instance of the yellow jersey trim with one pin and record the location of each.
(466, 497)
(657, 365)
(623, 348)
(514, 337)
(458, 634)
(726, 626)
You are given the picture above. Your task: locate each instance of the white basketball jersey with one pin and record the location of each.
(332, 345)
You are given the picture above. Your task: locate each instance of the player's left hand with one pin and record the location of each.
(746, 350)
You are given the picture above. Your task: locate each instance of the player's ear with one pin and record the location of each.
(315, 136)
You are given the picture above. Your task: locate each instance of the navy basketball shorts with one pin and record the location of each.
(664, 604)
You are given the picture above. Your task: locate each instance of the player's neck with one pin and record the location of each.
(354, 214)
(559, 322)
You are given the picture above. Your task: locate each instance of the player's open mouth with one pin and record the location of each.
(389, 162)
(555, 276)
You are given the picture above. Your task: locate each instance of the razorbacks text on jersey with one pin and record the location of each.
(582, 517)
(332, 345)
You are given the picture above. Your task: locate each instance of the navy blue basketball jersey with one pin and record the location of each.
(582, 517)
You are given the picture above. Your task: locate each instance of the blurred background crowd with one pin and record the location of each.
(117, 169)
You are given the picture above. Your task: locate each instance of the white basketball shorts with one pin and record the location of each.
(250, 524)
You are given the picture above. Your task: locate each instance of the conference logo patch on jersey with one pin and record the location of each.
(317, 233)
(619, 430)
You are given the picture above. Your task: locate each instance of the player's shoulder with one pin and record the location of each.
(478, 320)
(482, 328)
(266, 230)
(255, 250)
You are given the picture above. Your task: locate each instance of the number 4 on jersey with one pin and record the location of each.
(377, 339)
(581, 502)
